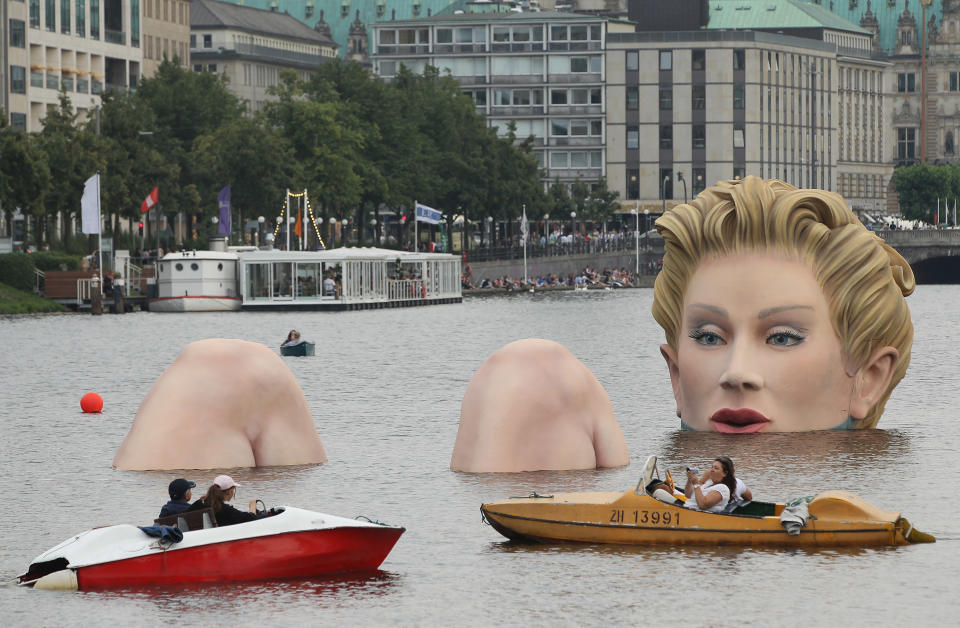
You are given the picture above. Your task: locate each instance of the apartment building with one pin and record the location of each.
(251, 46)
(543, 72)
(79, 46)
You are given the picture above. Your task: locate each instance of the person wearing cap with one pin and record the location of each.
(220, 492)
(180, 495)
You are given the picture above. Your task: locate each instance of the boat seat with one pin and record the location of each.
(190, 520)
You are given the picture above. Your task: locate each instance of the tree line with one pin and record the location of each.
(921, 186)
(355, 143)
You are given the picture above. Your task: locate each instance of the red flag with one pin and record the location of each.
(298, 227)
(150, 201)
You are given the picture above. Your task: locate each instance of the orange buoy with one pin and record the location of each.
(91, 402)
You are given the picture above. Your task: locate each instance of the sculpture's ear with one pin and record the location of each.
(674, 367)
(872, 380)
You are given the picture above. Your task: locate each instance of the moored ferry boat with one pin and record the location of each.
(339, 279)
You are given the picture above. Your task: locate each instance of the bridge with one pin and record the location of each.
(930, 252)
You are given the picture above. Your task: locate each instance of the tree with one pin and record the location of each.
(24, 174)
(919, 186)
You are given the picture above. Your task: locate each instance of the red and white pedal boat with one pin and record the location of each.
(291, 544)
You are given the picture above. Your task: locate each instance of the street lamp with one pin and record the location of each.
(546, 227)
(489, 230)
(376, 240)
(646, 228)
(636, 233)
(213, 223)
(343, 232)
(663, 192)
(573, 224)
(260, 221)
(684, 182)
(333, 234)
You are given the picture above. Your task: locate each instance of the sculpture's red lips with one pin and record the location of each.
(742, 421)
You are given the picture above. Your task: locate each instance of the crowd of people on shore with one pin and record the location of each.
(585, 279)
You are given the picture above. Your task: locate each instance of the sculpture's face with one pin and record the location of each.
(756, 350)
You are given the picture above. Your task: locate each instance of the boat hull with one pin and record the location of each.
(639, 519)
(290, 555)
(195, 304)
(302, 349)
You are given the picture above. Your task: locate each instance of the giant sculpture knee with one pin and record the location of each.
(533, 405)
(221, 404)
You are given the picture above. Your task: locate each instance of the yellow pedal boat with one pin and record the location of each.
(836, 518)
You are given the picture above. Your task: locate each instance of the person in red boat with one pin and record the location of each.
(220, 492)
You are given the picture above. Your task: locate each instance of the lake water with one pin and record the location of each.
(385, 390)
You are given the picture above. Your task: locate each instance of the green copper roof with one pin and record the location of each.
(774, 14)
(886, 12)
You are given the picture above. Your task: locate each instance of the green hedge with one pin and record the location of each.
(16, 270)
(13, 301)
(55, 261)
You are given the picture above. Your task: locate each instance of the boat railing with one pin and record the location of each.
(134, 276)
(405, 289)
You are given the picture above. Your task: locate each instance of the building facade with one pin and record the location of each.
(252, 46)
(79, 46)
(166, 33)
(542, 72)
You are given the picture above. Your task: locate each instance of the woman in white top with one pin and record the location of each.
(712, 492)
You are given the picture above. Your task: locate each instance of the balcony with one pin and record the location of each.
(575, 46)
(527, 46)
(115, 37)
(403, 49)
(456, 48)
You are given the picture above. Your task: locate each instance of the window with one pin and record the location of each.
(666, 60)
(738, 136)
(906, 143)
(739, 60)
(193, 41)
(633, 137)
(585, 64)
(699, 96)
(558, 33)
(666, 136)
(558, 160)
(95, 21)
(578, 33)
(558, 96)
(906, 82)
(560, 127)
(197, 67)
(18, 79)
(633, 98)
(954, 81)
(739, 99)
(81, 18)
(739, 172)
(906, 38)
(444, 36)
(18, 33)
(699, 136)
(65, 17)
(18, 121)
(34, 13)
(51, 15)
(208, 41)
(699, 60)
(948, 143)
(666, 98)
(633, 60)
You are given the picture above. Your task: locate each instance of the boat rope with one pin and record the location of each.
(369, 520)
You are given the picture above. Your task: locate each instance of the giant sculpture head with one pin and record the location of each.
(781, 311)
(223, 403)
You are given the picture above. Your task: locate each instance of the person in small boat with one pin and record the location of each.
(740, 494)
(711, 492)
(220, 492)
(293, 336)
(180, 495)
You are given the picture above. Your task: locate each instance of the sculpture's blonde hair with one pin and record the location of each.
(863, 279)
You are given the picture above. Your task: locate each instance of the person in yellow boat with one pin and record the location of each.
(781, 311)
(712, 494)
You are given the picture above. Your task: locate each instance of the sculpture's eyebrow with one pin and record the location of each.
(711, 308)
(783, 308)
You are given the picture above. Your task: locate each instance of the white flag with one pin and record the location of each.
(90, 205)
(428, 214)
(524, 225)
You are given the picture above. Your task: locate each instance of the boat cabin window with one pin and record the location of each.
(179, 266)
(283, 280)
(194, 266)
(258, 281)
(220, 266)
